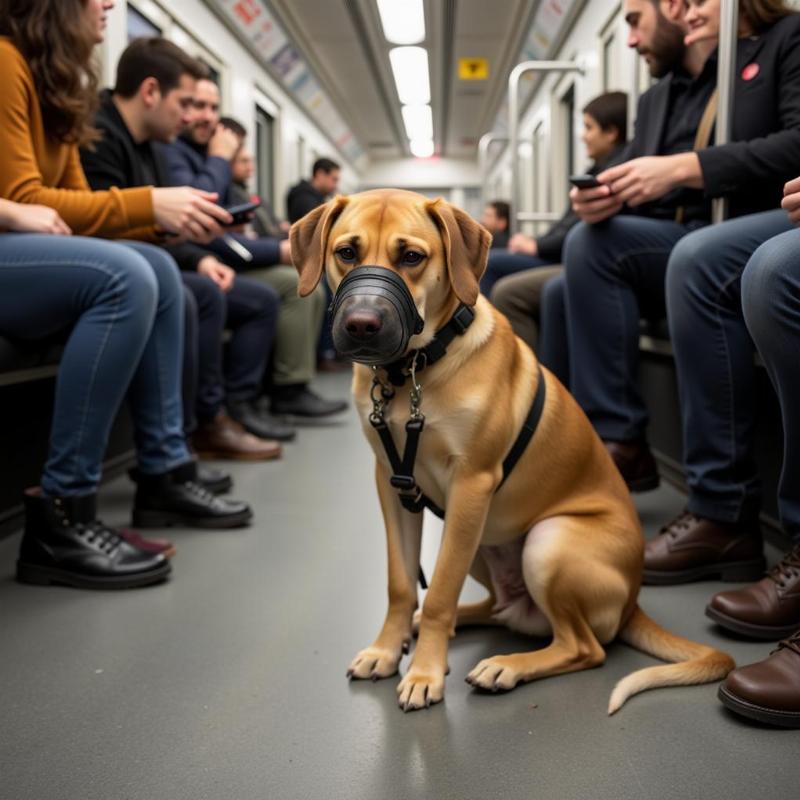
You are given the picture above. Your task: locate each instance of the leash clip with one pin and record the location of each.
(415, 395)
(380, 394)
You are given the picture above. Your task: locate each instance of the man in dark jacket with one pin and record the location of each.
(306, 195)
(496, 218)
(201, 157)
(154, 82)
(616, 266)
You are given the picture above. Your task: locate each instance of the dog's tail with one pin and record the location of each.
(692, 662)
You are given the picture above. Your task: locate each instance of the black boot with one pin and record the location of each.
(217, 481)
(65, 543)
(299, 401)
(176, 498)
(254, 420)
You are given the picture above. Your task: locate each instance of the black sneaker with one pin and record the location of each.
(215, 480)
(256, 421)
(300, 401)
(176, 498)
(64, 543)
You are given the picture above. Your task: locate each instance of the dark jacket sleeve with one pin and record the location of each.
(550, 245)
(214, 175)
(299, 202)
(187, 255)
(104, 164)
(739, 166)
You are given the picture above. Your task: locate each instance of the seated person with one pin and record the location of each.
(770, 609)
(306, 195)
(154, 87)
(495, 218)
(103, 359)
(605, 126)
(243, 168)
(202, 157)
(616, 266)
(533, 304)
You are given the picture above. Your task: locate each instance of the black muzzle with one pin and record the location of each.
(374, 316)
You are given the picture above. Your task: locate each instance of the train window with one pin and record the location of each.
(139, 25)
(265, 155)
(610, 38)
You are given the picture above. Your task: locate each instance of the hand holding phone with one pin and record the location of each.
(242, 212)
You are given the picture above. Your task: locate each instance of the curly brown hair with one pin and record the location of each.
(57, 44)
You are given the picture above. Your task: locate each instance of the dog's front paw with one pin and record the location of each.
(374, 663)
(496, 674)
(420, 689)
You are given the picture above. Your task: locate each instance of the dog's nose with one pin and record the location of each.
(362, 323)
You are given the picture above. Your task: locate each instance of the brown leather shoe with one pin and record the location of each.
(769, 690)
(226, 439)
(769, 609)
(635, 463)
(691, 548)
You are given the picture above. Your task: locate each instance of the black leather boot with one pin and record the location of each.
(176, 498)
(255, 421)
(215, 480)
(65, 543)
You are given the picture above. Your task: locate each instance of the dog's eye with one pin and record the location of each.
(411, 258)
(346, 254)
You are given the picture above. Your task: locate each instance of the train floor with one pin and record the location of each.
(228, 681)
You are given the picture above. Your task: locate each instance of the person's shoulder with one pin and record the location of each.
(12, 60)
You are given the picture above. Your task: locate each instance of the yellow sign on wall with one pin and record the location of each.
(473, 69)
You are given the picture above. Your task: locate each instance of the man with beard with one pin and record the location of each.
(616, 263)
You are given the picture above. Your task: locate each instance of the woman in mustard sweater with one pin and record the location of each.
(122, 302)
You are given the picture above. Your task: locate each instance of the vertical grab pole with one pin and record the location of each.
(726, 81)
(484, 143)
(513, 120)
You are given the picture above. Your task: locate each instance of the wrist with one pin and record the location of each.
(687, 169)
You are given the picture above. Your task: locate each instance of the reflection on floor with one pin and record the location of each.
(228, 683)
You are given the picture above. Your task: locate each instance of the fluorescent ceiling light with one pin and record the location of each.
(410, 69)
(421, 148)
(403, 21)
(418, 121)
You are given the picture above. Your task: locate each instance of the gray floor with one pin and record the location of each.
(228, 681)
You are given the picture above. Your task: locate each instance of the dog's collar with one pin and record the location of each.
(399, 370)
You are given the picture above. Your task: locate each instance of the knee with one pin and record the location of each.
(502, 294)
(581, 247)
(134, 281)
(687, 268)
(771, 276)
(166, 273)
(553, 295)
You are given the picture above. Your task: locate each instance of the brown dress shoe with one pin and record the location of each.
(222, 438)
(635, 463)
(769, 609)
(769, 690)
(692, 548)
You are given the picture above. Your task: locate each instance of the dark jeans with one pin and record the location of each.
(553, 341)
(250, 311)
(124, 306)
(771, 302)
(502, 263)
(614, 276)
(714, 359)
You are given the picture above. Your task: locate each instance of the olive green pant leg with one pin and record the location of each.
(299, 325)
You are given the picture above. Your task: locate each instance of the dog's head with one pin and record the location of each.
(436, 250)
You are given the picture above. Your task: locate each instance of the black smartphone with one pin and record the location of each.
(584, 181)
(241, 212)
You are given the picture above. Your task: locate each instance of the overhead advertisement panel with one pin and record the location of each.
(257, 25)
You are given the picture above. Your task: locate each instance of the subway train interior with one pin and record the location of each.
(392, 391)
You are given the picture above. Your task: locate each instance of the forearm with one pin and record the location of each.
(687, 170)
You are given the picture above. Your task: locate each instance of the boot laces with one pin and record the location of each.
(792, 643)
(680, 524)
(201, 493)
(99, 535)
(787, 569)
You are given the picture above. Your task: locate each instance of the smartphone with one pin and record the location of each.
(584, 181)
(241, 213)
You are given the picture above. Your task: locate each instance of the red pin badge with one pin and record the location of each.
(750, 71)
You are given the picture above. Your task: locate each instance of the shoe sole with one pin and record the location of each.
(47, 576)
(783, 719)
(144, 518)
(220, 455)
(731, 572)
(765, 632)
(646, 484)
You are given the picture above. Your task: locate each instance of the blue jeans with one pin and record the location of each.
(502, 263)
(123, 304)
(714, 360)
(771, 303)
(614, 276)
(250, 311)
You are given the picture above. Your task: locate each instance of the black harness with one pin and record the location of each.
(411, 496)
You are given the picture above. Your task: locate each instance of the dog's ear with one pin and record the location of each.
(309, 238)
(466, 248)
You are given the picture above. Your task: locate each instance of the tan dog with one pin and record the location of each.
(559, 546)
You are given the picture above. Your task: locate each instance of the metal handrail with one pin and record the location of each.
(513, 119)
(538, 216)
(726, 80)
(484, 143)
